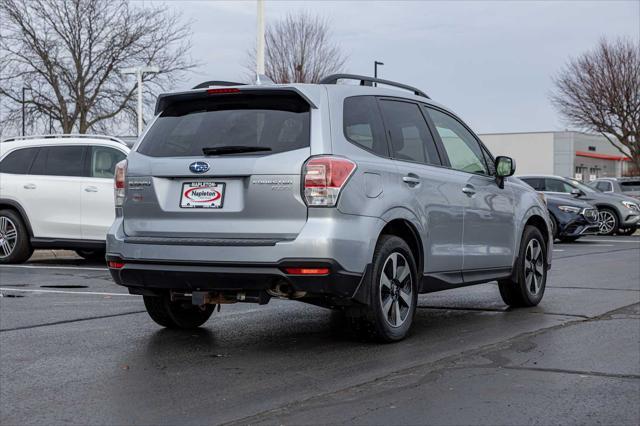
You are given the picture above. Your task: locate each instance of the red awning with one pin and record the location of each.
(601, 156)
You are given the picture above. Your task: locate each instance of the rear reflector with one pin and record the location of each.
(115, 265)
(307, 271)
(222, 91)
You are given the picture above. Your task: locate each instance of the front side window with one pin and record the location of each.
(19, 161)
(268, 123)
(104, 160)
(363, 124)
(489, 161)
(603, 186)
(59, 161)
(462, 148)
(410, 136)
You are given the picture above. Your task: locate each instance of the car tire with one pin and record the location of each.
(626, 231)
(179, 314)
(393, 293)
(609, 221)
(15, 245)
(91, 254)
(531, 273)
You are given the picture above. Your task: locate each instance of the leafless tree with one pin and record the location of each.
(599, 91)
(69, 56)
(298, 49)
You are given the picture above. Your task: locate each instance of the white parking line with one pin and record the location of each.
(85, 268)
(93, 293)
(557, 250)
(614, 241)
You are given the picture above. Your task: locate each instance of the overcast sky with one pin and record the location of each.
(491, 62)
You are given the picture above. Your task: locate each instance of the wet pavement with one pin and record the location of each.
(77, 349)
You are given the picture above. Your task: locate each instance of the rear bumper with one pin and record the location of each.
(348, 240)
(342, 243)
(235, 277)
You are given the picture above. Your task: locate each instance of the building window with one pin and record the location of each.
(592, 148)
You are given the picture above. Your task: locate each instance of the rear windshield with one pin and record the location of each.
(279, 122)
(630, 186)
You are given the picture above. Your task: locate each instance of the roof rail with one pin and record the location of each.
(63, 136)
(217, 83)
(368, 81)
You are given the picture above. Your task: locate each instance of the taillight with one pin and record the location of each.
(119, 182)
(324, 177)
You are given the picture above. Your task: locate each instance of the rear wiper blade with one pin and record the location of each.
(223, 150)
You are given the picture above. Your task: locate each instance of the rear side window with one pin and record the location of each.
(19, 161)
(104, 160)
(410, 136)
(279, 122)
(535, 183)
(363, 124)
(59, 161)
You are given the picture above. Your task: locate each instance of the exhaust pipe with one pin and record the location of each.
(284, 290)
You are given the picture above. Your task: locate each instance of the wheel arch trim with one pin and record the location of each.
(12, 204)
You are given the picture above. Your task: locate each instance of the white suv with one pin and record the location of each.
(56, 192)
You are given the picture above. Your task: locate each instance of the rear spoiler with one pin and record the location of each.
(166, 99)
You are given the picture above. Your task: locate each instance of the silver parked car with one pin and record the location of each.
(350, 197)
(617, 212)
(628, 186)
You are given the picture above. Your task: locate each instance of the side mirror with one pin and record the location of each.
(505, 166)
(576, 192)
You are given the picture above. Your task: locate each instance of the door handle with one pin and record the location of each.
(30, 186)
(411, 179)
(469, 190)
(90, 189)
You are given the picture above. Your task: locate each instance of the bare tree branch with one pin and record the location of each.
(599, 91)
(298, 49)
(69, 55)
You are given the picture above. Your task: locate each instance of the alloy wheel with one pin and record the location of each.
(396, 289)
(607, 221)
(8, 236)
(533, 267)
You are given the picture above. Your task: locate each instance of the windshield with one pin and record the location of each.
(267, 123)
(581, 186)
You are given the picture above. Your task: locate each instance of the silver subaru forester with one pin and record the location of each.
(354, 197)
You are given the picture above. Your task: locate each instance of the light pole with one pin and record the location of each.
(24, 89)
(375, 69)
(139, 71)
(260, 39)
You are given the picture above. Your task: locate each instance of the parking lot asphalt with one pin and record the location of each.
(77, 349)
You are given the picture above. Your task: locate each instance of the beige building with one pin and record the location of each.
(571, 154)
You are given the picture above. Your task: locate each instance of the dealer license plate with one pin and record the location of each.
(206, 195)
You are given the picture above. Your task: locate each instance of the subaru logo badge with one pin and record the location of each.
(199, 167)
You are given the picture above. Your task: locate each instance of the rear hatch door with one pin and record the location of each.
(221, 166)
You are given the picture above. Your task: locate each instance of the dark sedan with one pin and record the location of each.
(571, 219)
